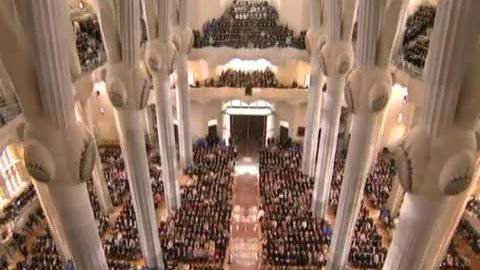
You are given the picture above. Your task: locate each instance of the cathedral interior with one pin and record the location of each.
(239, 134)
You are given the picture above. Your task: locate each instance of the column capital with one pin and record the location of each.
(127, 87)
(315, 39)
(183, 39)
(64, 157)
(336, 58)
(160, 57)
(368, 89)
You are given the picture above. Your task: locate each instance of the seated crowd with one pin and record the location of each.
(248, 24)
(470, 235)
(367, 250)
(291, 236)
(417, 35)
(15, 207)
(453, 260)
(90, 48)
(238, 78)
(198, 234)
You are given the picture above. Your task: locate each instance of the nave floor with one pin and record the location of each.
(245, 241)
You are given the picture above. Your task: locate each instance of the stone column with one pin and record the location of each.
(337, 58)
(150, 122)
(396, 197)
(367, 93)
(183, 40)
(437, 163)
(84, 88)
(59, 152)
(128, 90)
(160, 56)
(315, 40)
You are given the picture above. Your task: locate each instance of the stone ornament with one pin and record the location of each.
(337, 57)
(48, 148)
(127, 88)
(457, 173)
(411, 159)
(38, 161)
(368, 89)
(183, 40)
(160, 55)
(314, 42)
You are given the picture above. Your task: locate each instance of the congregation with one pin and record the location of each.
(248, 24)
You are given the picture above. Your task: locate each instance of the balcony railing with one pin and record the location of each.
(8, 113)
(411, 69)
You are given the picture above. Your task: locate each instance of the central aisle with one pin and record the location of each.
(245, 244)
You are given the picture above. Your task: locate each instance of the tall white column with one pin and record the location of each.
(315, 40)
(396, 197)
(135, 155)
(184, 40)
(59, 152)
(128, 90)
(150, 122)
(367, 93)
(337, 58)
(84, 88)
(160, 56)
(437, 163)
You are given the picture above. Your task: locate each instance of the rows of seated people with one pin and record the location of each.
(416, 37)
(474, 207)
(367, 250)
(14, 208)
(291, 236)
(454, 260)
(90, 48)
(239, 78)
(198, 233)
(380, 180)
(41, 253)
(248, 24)
(470, 235)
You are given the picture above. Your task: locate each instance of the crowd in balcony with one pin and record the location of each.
(417, 35)
(454, 260)
(89, 42)
(199, 232)
(241, 79)
(248, 24)
(291, 235)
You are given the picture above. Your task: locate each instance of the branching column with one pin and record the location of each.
(183, 40)
(337, 58)
(160, 58)
(128, 90)
(367, 93)
(315, 40)
(59, 152)
(84, 88)
(436, 162)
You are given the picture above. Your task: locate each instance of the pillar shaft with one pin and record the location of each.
(396, 197)
(52, 221)
(183, 110)
(166, 139)
(78, 224)
(129, 123)
(330, 123)
(442, 149)
(57, 150)
(150, 122)
(313, 117)
(98, 177)
(354, 180)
